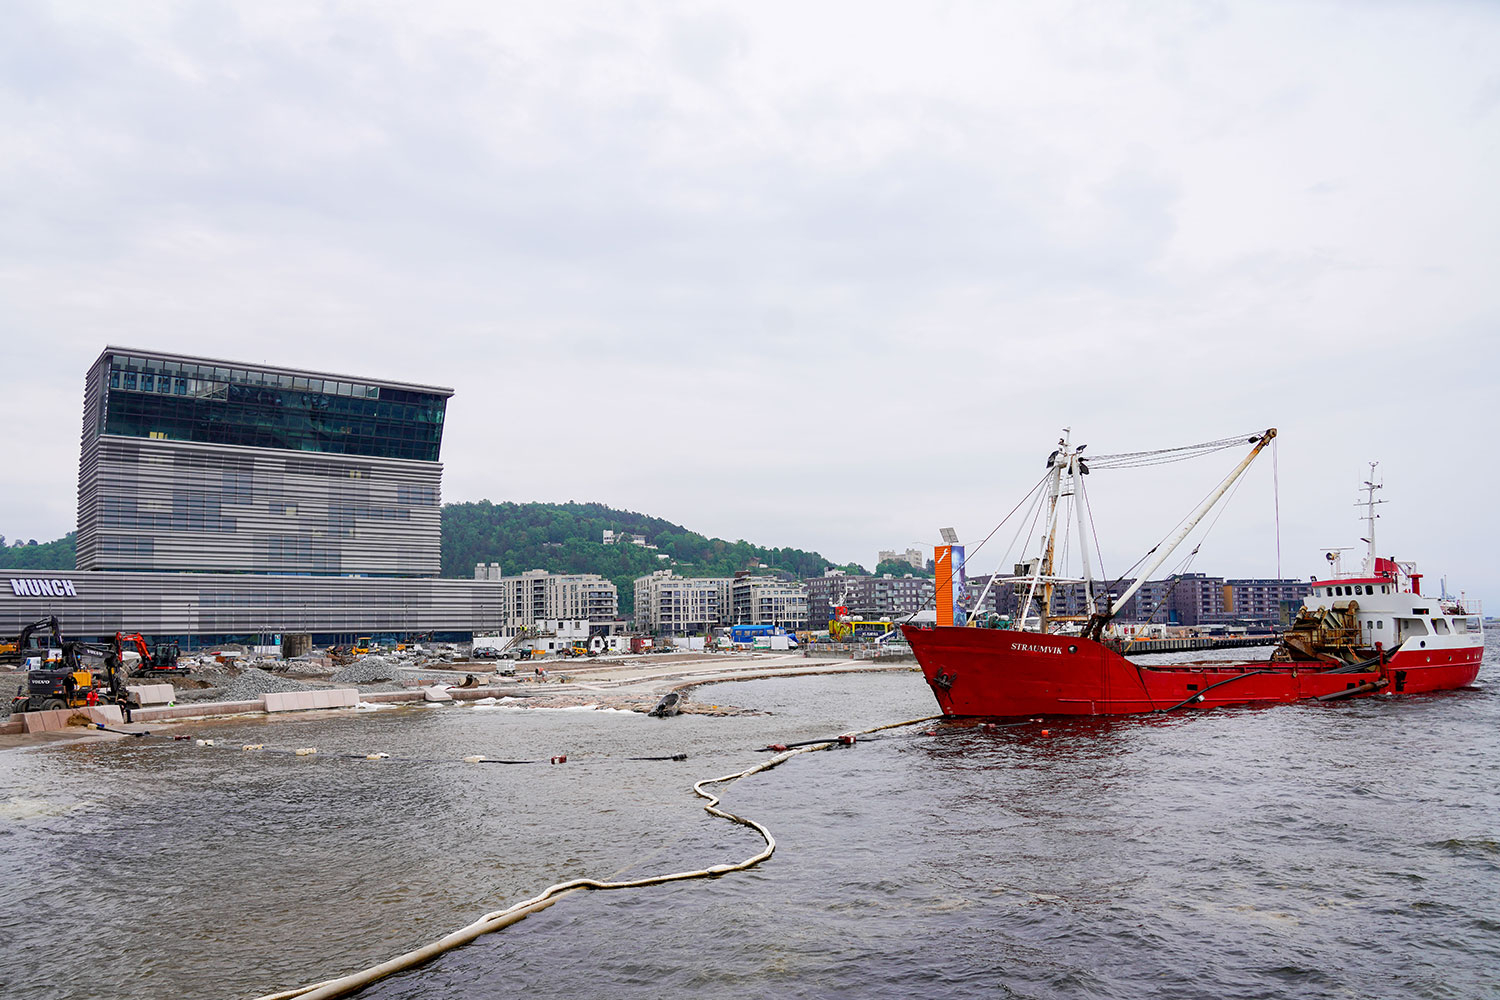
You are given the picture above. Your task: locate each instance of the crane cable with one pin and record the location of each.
(1163, 456)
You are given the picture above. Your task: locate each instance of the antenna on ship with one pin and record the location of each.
(1369, 503)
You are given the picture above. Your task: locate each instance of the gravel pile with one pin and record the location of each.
(215, 676)
(367, 670)
(254, 682)
(199, 694)
(308, 666)
(9, 688)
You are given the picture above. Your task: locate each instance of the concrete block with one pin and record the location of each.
(46, 722)
(275, 702)
(109, 715)
(385, 697)
(151, 694)
(322, 699)
(345, 697)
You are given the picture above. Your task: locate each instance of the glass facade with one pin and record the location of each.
(182, 401)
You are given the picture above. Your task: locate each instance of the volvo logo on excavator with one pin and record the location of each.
(32, 587)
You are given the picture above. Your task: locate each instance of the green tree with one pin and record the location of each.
(568, 538)
(59, 554)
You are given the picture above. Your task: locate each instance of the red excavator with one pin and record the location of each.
(158, 662)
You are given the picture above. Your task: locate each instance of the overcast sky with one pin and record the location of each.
(824, 275)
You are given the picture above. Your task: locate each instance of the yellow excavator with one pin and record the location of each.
(15, 651)
(74, 684)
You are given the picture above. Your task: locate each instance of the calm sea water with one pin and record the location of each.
(1348, 850)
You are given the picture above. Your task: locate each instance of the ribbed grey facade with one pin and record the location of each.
(219, 501)
(180, 506)
(210, 605)
(150, 500)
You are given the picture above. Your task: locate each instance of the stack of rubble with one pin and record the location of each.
(372, 669)
(254, 682)
(9, 688)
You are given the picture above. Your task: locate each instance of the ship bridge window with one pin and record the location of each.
(1440, 626)
(1410, 626)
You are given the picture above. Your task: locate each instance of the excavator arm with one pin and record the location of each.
(17, 651)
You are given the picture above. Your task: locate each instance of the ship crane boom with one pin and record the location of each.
(1163, 552)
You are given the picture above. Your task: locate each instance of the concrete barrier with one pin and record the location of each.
(390, 697)
(151, 694)
(286, 701)
(194, 710)
(58, 718)
(302, 701)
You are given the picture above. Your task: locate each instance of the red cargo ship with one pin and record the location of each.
(1357, 634)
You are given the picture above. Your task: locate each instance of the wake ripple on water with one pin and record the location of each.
(1309, 851)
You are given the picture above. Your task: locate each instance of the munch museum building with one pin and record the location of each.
(221, 501)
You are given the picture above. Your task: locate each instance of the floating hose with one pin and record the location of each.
(121, 732)
(345, 985)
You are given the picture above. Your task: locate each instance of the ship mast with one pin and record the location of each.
(1369, 504)
(1078, 469)
(1042, 579)
(1059, 463)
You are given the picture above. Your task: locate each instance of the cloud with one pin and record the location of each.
(807, 274)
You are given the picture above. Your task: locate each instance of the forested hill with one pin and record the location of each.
(561, 537)
(58, 554)
(567, 538)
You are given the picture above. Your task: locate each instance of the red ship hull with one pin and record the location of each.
(995, 672)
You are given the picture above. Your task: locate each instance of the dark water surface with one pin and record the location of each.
(1346, 850)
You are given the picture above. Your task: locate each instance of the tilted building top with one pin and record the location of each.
(203, 465)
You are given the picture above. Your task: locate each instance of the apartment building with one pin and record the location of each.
(863, 595)
(764, 600)
(668, 604)
(537, 595)
(916, 558)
